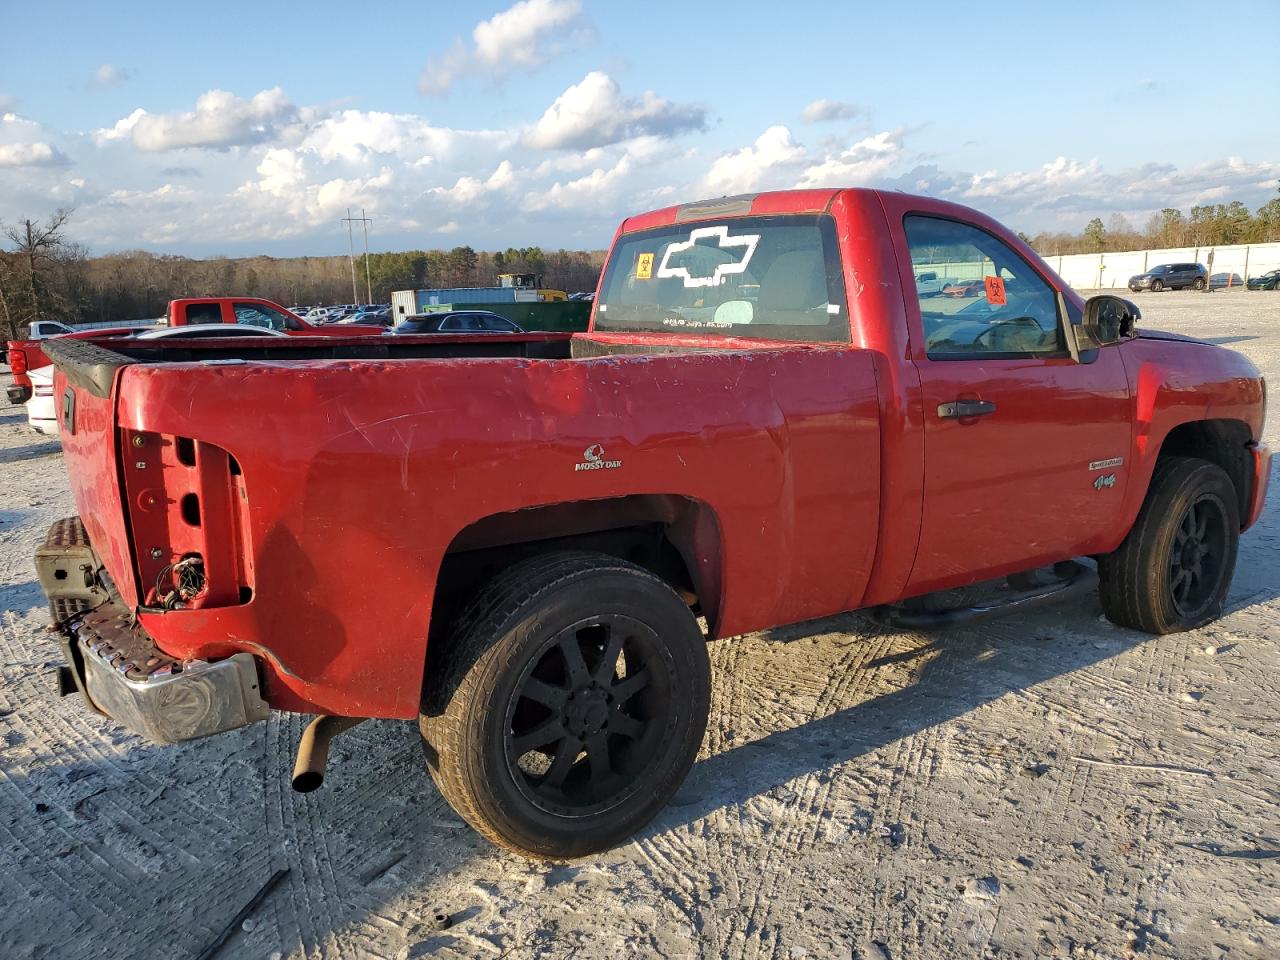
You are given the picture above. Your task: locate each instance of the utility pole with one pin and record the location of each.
(365, 221)
(351, 255)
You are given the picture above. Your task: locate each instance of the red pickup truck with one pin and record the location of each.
(512, 539)
(27, 355)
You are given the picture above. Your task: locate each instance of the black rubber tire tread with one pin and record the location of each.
(1132, 581)
(483, 646)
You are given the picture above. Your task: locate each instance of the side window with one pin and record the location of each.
(204, 313)
(983, 299)
(498, 324)
(259, 315)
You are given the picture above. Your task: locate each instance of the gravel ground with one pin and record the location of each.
(1043, 785)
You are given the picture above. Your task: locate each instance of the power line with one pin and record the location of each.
(351, 252)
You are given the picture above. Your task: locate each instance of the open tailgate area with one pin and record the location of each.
(84, 398)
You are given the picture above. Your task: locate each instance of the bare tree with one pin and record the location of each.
(38, 249)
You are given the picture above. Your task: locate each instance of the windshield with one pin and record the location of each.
(770, 277)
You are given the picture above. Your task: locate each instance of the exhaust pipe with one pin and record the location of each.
(313, 750)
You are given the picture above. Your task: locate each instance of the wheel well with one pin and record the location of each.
(1224, 442)
(675, 537)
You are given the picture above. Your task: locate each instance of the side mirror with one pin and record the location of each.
(1109, 319)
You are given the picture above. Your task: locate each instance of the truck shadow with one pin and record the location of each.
(30, 452)
(953, 672)
(21, 596)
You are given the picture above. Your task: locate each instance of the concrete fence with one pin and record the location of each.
(1103, 271)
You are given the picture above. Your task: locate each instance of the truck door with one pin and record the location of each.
(1025, 448)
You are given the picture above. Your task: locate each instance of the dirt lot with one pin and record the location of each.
(1045, 785)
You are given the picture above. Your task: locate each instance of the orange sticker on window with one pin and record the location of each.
(995, 290)
(644, 266)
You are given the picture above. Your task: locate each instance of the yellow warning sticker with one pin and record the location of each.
(644, 266)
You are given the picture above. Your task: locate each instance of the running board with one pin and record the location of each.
(1079, 580)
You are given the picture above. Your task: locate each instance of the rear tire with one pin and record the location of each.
(1174, 569)
(568, 704)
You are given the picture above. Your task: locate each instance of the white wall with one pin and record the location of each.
(1091, 271)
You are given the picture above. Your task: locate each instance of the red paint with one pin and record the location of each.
(810, 479)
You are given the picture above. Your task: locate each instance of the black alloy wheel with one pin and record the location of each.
(566, 704)
(1197, 560)
(587, 715)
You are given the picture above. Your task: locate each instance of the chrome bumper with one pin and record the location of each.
(116, 664)
(182, 702)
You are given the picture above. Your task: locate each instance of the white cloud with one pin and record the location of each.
(522, 37)
(37, 154)
(450, 226)
(468, 190)
(594, 113)
(220, 120)
(109, 75)
(859, 164)
(598, 189)
(821, 111)
(357, 135)
(740, 171)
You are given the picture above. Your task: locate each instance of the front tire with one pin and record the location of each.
(1174, 569)
(1199, 283)
(568, 704)
(1157, 286)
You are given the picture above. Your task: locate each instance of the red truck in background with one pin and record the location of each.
(767, 422)
(27, 355)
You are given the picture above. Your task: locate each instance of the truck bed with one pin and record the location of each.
(324, 483)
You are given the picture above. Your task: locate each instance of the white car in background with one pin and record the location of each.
(40, 413)
(931, 285)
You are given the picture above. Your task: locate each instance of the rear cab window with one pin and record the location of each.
(775, 277)
(204, 313)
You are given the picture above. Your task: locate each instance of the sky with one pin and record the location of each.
(250, 128)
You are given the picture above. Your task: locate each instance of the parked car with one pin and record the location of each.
(588, 295)
(1225, 281)
(374, 315)
(1171, 276)
(206, 330)
(41, 329)
(41, 415)
(458, 321)
(27, 355)
(40, 408)
(965, 288)
(929, 284)
(548, 529)
(1265, 281)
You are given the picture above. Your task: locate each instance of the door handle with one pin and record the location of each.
(962, 409)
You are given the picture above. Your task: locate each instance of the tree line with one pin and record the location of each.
(45, 275)
(1209, 225)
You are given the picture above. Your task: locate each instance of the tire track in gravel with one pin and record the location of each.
(91, 858)
(753, 925)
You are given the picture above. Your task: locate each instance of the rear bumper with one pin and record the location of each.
(117, 667)
(1261, 478)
